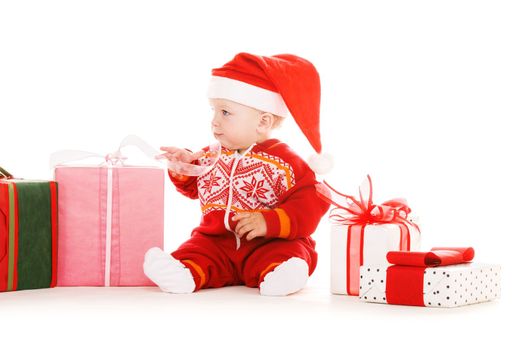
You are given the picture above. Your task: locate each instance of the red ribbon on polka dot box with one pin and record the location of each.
(443, 277)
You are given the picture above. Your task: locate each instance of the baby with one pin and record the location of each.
(259, 203)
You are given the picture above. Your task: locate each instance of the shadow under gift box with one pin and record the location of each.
(28, 234)
(109, 216)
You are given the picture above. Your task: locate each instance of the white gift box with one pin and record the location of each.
(378, 240)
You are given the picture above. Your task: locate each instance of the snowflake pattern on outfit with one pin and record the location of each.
(258, 181)
(255, 188)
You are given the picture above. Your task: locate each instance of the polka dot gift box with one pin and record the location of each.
(443, 277)
(363, 233)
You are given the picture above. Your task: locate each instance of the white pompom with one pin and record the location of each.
(321, 163)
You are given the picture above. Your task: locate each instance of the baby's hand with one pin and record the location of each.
(179, 154)
(251, 223)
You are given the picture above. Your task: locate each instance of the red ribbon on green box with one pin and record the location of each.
(28, 233)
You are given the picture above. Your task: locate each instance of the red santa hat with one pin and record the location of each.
(282, 85)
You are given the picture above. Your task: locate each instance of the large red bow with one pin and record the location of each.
(362, 211)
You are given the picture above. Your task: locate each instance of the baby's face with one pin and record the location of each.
(234, 125)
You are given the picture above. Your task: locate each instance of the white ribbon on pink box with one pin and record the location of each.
(109, 215)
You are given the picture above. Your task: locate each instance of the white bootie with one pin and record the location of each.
(167, 273)
(287, 278)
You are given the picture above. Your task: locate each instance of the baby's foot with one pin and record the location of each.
(168, 273)
(287, 278)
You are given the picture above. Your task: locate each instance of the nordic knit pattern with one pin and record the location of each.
(271, 178)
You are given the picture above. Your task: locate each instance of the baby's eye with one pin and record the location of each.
(225, 113)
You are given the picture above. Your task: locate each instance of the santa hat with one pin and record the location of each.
(282, 85)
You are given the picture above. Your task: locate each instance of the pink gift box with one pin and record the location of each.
(108, 217)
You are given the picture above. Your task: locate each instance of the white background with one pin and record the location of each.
(424, 96)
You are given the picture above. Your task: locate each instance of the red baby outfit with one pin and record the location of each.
(271, 179)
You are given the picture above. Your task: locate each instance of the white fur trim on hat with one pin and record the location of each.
(248, 95)
(321, 163)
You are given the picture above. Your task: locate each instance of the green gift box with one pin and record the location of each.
(28, 233)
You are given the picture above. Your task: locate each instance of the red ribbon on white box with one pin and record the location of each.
(359, 213)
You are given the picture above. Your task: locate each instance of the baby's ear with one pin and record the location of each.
(265, 122)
